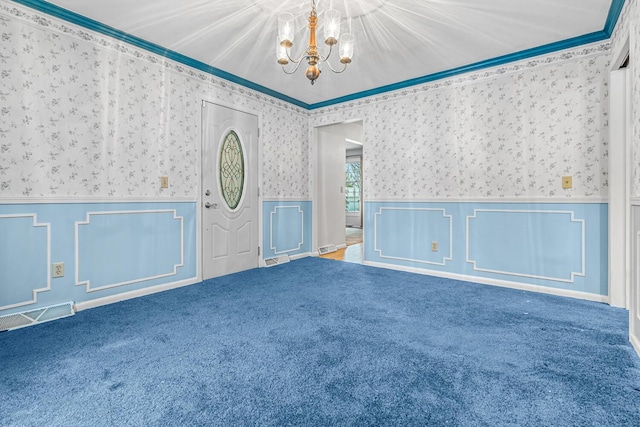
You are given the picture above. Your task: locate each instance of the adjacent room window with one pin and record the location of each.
(353, 184)
(231, 170)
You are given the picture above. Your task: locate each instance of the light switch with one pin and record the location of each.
(567, 182)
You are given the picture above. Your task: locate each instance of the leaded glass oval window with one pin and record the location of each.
(231, 171)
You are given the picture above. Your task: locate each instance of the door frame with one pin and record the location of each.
(315, 162)
(201, 99)
(620, 183)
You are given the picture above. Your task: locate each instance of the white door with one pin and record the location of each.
(634, 306)
(229, 191)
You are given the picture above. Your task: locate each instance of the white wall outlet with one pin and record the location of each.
(58, 269)
(434, 246)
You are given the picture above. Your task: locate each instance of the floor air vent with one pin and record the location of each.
(27, 318)
(269, 262)
(327, 249)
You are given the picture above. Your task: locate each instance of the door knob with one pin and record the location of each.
(210, 205)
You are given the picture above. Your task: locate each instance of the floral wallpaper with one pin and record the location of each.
(508, 132)
(82, 115)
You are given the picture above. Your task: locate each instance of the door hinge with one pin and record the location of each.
(258, 191)
(204, 103)
(258, 250)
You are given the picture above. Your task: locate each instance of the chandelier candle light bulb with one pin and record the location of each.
(313, 57)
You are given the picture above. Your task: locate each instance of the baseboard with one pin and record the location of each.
(635, 343)
(494, 282)
(300, 256)
(134, 294)
(342, 246)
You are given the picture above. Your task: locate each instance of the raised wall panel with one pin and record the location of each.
(560, 246)
(286, 228)
(125, 247)
(547, 245)
(25, 259)
(407, 234)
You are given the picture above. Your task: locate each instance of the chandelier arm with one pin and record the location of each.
(295, 69)
(336, 71)
(293, 60)
(325, 58)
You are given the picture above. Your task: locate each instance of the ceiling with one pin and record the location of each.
(398, 42)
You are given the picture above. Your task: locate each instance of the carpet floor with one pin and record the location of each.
(321, 343)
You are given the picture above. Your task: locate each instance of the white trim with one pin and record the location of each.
(493, 282)
(89, 200)
(314, 163)
(636, 304)
(510, 200)
(300, 256)
(619, 184)
(79, 306)
(87, 283)
(34, 292)
(635, 201)
(635, 342)
(530, 276)
(285, 199)
(619, 54)
(444, 215)
(272, 246)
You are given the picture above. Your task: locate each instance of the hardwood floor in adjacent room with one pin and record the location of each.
(351, 253)
(354, 250)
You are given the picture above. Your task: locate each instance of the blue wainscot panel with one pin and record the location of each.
(287, 228)
(536, 244)
(407, 234)
(107, 249)
(24, 259)
(108, 255)
(559, 245)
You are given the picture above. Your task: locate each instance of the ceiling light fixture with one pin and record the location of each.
(312, 55)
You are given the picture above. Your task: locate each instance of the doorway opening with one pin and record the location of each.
(339, 191)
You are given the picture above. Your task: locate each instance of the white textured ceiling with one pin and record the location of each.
(396, 40)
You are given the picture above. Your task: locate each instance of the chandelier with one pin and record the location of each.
(313, 57)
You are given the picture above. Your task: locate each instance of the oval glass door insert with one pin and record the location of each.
(231, 164)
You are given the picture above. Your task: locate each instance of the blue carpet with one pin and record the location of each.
(320, 342)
